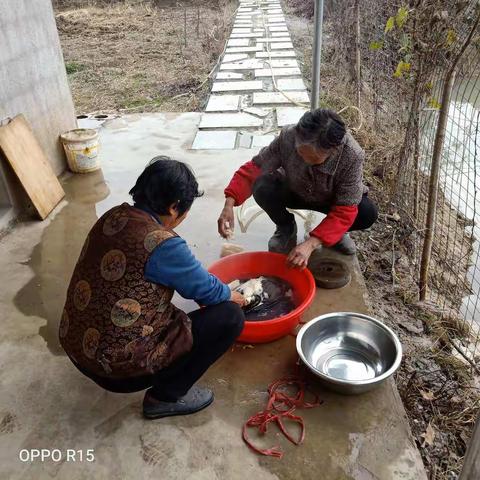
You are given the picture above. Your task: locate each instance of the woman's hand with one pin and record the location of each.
(238, 298)
(226, 221)
(299, 256)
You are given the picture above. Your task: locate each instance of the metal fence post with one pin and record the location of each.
(317, 54)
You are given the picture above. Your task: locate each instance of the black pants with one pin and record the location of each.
(214, 329)
(273, 195)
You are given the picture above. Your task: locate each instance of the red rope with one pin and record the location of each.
(280, 407)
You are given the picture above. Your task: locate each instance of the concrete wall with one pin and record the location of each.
(33, 80)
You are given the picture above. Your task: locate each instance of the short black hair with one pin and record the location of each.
(323, 127)
(165, 182)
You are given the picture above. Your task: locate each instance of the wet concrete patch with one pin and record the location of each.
(58, 407)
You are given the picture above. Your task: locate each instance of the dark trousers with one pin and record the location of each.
(273, 195)
(214, 329)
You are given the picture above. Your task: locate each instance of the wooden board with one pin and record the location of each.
(31, 166)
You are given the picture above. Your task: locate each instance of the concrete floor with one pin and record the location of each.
(46, 403)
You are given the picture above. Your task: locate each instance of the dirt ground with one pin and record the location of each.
(437, 386)
(142, 56)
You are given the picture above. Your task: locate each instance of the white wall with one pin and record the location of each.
(33, 80)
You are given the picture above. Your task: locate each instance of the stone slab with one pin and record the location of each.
(234, 57)
(280, 34)
(281, 46)
(282, 63)
(274, 11)
(249, 64)
(244, 140)
(229, 120)
(277, 54)
(245, 85)
(219, 140)
(223, 103)
(229, 76)
(260, 29)
(241, 30)
(290, 84)
(247, 35)
(247, 15)
(259, 141)
(256, 48)
(259, 112)
(274, 40)
(277, 72)
(238, 42)
(289, 115)
(242, 24)
(273, 28)
(266, 98)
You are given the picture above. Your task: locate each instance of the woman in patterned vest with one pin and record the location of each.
(119, 326)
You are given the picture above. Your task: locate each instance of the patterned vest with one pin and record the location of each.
(115, 323)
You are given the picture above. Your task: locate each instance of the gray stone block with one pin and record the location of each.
(273, 40)
(289, 115)
(238, 42)
(281, 46)
(277, 72)
(277, 54)
(259, 112)
(290, 84)
(282, 63)
(256, 48)
(229, 120)
(248, 64)
(234, 57)
(242, 30)
(247, 35)
(219, 140)
(266, 98)
(222, 103)
(259, 141)
(229, 76)
(245, 85)
(244, 140)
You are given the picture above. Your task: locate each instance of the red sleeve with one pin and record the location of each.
(240, 186)
(332, 228)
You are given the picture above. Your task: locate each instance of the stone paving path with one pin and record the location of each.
(258, 86)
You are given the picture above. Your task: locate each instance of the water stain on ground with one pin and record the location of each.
(53, 258)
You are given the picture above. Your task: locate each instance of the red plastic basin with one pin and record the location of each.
(255, 264)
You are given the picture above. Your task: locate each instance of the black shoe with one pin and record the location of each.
(196, 399)
(284, 239)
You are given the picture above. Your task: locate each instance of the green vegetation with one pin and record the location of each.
(74, 67)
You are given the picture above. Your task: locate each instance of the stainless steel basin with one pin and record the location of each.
(351, 353)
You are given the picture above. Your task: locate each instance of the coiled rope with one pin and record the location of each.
(280, 407)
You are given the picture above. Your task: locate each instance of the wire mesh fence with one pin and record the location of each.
(412, 68)
(398, 56)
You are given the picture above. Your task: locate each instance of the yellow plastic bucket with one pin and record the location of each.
(81, 147)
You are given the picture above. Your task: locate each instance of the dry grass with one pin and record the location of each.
(139, 56)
